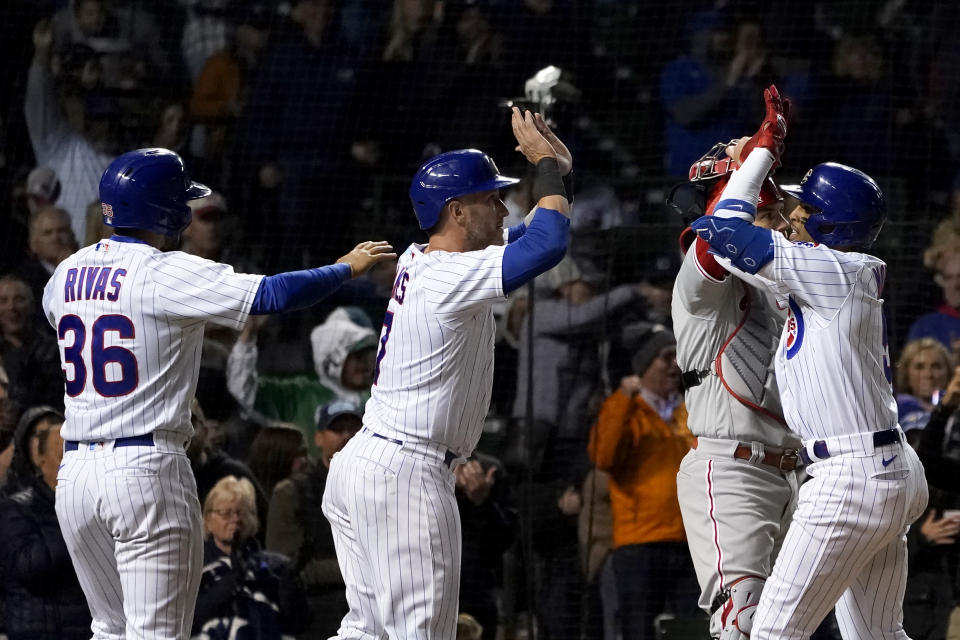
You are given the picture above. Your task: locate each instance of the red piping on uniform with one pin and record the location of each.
(716, 528)
(719, 366)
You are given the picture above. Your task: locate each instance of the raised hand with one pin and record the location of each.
(773, 130)
(564, 157)
(367, 254)
(530, 142)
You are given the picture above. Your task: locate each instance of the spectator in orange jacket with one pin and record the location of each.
(640, 438)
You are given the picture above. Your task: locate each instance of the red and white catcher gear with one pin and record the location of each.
(734, 619)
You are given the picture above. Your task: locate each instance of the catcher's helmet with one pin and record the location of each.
(449, 175)
(852, 207)
(148, 189)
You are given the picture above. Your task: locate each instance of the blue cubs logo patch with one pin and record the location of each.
(794, 328)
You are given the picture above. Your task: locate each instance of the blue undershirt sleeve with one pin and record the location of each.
(540, 248)
(298, 289)
(515, 232)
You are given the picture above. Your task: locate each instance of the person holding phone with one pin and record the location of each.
(927, 401)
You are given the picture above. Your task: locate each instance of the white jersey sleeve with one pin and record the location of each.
(192, 289)
(461, 283)
(821, 277)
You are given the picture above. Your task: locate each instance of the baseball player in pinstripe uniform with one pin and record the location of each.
(130, 320)
(846, 544)
(390, 494)
(737, 486)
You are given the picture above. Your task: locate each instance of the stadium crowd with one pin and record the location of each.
(308, 118)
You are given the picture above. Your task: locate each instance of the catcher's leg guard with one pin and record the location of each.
(734, 617)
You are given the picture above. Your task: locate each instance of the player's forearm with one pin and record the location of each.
(740, 196)
(549, 189)
(540, 249)
(298, 289)
(748, 247)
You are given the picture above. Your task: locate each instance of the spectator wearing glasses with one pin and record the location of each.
(245, 592)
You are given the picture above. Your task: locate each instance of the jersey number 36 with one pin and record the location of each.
(100, 356)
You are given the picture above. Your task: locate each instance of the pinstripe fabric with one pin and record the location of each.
(392, 507)
(168, 297)
(436, 373)
(130, 515)
(397, 533)
(131, 520)
(832, 362)
(847, 545)
(847, 540)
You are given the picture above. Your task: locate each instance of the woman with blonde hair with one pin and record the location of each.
(246, 593)
(922, 372)
(927, 398)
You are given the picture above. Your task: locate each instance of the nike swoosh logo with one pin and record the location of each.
(886, 462)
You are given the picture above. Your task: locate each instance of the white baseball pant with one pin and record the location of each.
(396, 528)
(131, 521)
(735, 512)
(847, 544)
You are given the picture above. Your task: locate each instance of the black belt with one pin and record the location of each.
(820, 450)
(146, 440)
(448, 457)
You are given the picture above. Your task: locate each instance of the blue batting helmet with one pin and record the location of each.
(450, 175)
(852, 207)
(148, 189)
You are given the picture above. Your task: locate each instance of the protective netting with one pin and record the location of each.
(308, 118)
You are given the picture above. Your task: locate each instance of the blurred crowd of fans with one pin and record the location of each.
(307, 117)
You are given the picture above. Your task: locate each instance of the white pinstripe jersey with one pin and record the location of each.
(434, 372)
(833, 365)
(130, 320)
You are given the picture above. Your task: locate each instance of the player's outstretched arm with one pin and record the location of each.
(548, 187)
(565, 164)
(544, 242)
(299, 289)
(730, 231)
(366, 254)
